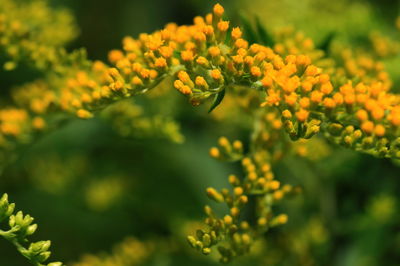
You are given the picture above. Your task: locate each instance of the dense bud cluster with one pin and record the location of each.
(32, 32)
(235, 233)
(206, 62)
(209, 58)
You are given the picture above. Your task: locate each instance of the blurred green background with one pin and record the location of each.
(88, 188)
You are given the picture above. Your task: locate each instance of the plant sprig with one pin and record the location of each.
(20, 227)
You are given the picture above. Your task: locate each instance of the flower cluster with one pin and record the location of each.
(32, 32)
(235, 232)
(383, 46)
(208, 58)
(206, 62)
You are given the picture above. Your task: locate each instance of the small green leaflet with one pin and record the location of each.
(217, 100)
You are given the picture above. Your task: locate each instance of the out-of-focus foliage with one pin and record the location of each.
(90, 184)
(34, 32)
(129, 252)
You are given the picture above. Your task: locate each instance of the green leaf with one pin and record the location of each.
(217, 100)
(326, 42)
(249, 33)
(265, 38)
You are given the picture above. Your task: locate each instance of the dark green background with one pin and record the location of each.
(165, 182)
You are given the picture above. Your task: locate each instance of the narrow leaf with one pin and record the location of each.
(265, 38)
(249, 32)
(217, 100)
(326, 42)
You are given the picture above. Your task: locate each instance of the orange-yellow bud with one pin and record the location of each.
(136, 81)
(160, 62)
(378, 113)
(316, 96)
(218, 10)
(237, 59)
(145, 73)
(303, 60)
(235, 212)
(326, 87)
(338, 98)
(255, 71)
(38, 123)
(208, 30)
(214, 152)
(307, 86)
(312, 70)
(329, 103)
(115, 55)
(362, 115)
(228, 219)
(185, 90)
(237, 145)
(183, 76)
(282, 218)
(223, 26)
(379, 130)
(287, 114)
(200, 37)
(302, 115)
(202, 61)
(323, 78)
(304, 102)
(238, 191)
(187, 55)
(236, 33)
(178, 84)
(367, 127)
(249, 60)
(240, 43)
(291, 99)
(349, 98)
(214, 51)
(267, 81)
(166, 51)
(84, 114)
(200, 81)
(216, 74)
